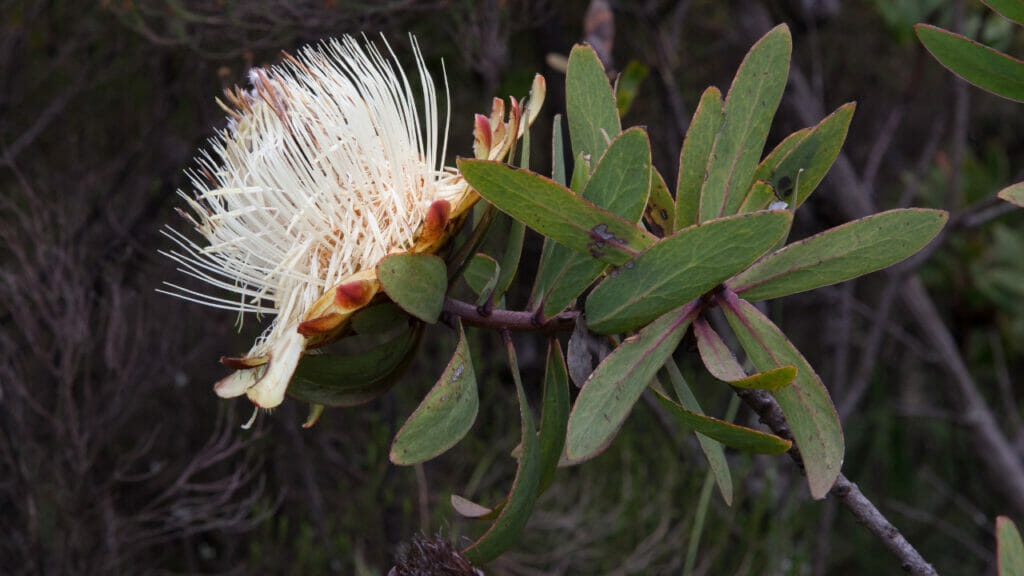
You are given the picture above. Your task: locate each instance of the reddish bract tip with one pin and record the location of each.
(482, 136)
(353, 295)
(319, 325)
(436, 220)
(498, 112)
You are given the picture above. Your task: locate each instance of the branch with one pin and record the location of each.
(509, 319)
(844, 490)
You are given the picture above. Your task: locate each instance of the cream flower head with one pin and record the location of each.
(327, 165)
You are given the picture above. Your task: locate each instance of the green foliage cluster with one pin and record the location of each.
(720, 243)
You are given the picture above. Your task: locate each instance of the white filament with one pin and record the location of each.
(326, 167)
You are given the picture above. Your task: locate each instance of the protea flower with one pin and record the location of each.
(327, 165)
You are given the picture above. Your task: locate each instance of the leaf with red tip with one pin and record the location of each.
(556, 212)
(722, 364)
(589, 103)
(693, 158)
(841, 253)
(614, 387)
(980, 65)
(749, 107)
(805, 403)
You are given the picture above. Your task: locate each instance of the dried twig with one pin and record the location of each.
(844, 490)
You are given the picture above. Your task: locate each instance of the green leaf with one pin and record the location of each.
(379, 318)
(759, 197)
(690, 413)
(980, 65)
(589, 103)
(770, 380)
(717, 357)
(553, 256)
(660, 213)
(620, 184)
(805, 403)
(680, 268)
(444, 416)
(558, 154)
(580, 173)
(749, 107)
(554, 417)
(840, 253)
(510, 259)
(1009, 9)
(808, 153)
(722, 364)
(614, 387)
(1010, 548)
(353, 379)
(732, 435)
(505, 531)
(416, 282)
(556, 212)
(693, 158)
(555, 413)
(482, 275)
(1013, 194)
(628, 84)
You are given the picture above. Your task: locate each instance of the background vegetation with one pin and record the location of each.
(115, 456)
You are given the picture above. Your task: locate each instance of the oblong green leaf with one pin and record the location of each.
(589, 103)
(444, 416)
(711, 447)
(749, 107)
(554, 416)
(980, 65)
(620, 184)
(717, 357)
(482, 274)
(681, 268)
(806, 403)
(628, 84)
(1009, 9)
(732, 435)
(416, 282)
(1010, 548)
(554, 256)
(1013, 194)
(770, 380)
(841, 253)
(808, 154)
(556, 212)
(510, 259)
(760, 197)
(505, 531)
(353, 379)
(693, 158)
(615, 385)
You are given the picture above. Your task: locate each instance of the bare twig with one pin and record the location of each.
(510, 319)
(844, 490)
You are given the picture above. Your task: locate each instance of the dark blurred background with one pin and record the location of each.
(116, 457)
